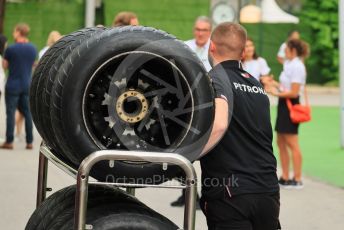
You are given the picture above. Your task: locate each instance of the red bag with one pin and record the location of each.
(299, 113)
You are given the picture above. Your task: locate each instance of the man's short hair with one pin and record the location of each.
(204, 19)
(123, 18)
(230, 39)
(23, 29)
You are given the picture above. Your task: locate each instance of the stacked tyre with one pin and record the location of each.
(107, 209)
(127, 88)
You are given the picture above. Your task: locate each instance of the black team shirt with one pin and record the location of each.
(243, 161)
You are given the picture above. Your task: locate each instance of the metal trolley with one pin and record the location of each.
(82, 179)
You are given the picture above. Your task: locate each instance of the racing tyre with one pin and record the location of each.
(107, 208)
(132, 88)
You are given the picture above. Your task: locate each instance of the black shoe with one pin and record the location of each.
(296, 184)
(179, 202)
(284, 183)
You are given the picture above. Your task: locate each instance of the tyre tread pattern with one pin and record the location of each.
(57, 211)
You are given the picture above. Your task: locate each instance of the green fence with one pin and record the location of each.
(174, 16)
(43, 17)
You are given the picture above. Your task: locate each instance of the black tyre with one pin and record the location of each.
(133, 88)
(107, 209)
(36, 99)
(41, 84)
(60, 201)
(131, 217)
(36, 86)
(71, 42)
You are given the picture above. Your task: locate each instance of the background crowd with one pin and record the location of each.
(19, 59)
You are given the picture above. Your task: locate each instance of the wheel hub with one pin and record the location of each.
(131, 106)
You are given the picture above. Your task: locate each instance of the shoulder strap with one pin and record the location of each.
(289, 104)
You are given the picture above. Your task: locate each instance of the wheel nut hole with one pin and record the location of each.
(132, 105)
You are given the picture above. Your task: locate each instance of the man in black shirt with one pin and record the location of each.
(239, 182)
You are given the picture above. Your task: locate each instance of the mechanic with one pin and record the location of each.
(239, 182)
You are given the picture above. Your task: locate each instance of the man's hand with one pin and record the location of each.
(273, 91)
(220, 124)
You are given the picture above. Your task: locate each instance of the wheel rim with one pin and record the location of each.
(138, 101)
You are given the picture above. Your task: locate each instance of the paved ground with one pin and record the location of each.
(317, 206)
(319, 96)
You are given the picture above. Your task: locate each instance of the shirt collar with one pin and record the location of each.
(206, 45)
(232, 64)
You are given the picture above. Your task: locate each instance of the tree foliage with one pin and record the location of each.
(321, 19)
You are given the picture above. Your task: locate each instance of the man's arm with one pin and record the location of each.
(35, 64)
(4, 64)
(220, 124)
(281, 53)
(280, 60)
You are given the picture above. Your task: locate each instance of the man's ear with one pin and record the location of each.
(212, 47)
(243, 55)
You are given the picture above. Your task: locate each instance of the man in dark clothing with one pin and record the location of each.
(239, 182)
(19, 59)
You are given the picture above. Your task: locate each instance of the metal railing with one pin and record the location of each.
(82, 177)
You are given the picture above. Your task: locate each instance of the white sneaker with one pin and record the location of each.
(296, 184)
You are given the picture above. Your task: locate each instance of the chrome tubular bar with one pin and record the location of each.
(138, 185)
(56, 161)
(119, 155)
(42, 179)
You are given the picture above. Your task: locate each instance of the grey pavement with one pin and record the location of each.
(317, 206)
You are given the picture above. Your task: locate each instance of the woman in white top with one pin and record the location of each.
(53, 37)
(255, 65)
(292, 82)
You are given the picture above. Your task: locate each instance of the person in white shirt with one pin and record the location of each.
(253, 64)
(201, 41)
(53, 37)
(281, 57)
(292, 82)
(2, 77)
(2, 83)
(3, 42)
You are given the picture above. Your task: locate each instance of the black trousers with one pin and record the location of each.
(243, 212)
